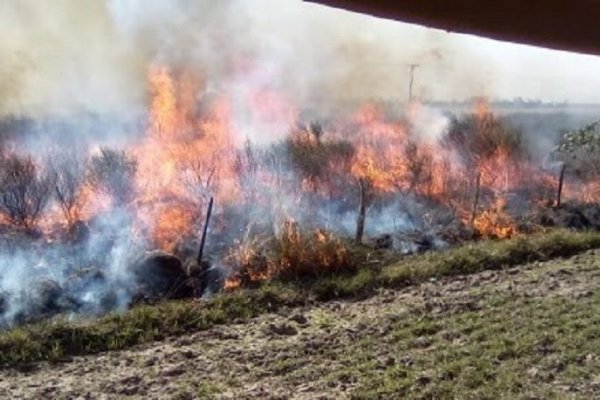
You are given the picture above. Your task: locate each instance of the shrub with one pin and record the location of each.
(68, 171)
(113, 172)
(580, 151)
(313, 157)
(290, 254)
(482, 136)
(24, 190)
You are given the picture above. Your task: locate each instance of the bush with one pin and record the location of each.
(313, 157)
(24, 190)
(291, 254)
(113, 172)
(68, 171)
(477, 137)
(580, 151)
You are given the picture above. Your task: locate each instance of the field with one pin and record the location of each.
(518, 320)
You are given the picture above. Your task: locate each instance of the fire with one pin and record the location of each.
(184, 158)
(196, 146)
(292, 252)
(495, 222)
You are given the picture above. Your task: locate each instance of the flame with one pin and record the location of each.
(495, 222)
(193, 149)
(185, 158)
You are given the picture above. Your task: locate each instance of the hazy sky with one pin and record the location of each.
(94, 55)
(457, 65)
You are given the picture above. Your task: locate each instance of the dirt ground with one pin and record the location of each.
(299, 353)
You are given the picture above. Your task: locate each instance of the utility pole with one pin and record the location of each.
(411, 81)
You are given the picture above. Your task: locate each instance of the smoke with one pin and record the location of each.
(67, 57)
(428, 124)
(89, 276)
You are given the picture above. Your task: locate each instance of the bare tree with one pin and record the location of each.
(113, 172)
(68, 171)
(24, 190)
(199, 176)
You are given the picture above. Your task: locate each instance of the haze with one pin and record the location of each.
(65, 56)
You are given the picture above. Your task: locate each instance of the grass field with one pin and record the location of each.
(53, 340)
(501, 330)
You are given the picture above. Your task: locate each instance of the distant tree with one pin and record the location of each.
(24, 190)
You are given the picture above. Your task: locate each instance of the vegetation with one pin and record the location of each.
(293, 254)
(113, 172)
(316, 159)
(580, 151)
(54, 340)
(483, 135)
(504, 345)
(24, 190)
(68, 170)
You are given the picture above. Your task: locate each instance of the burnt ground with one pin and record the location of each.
(527, 332)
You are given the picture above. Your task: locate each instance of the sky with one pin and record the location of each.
(71, 56)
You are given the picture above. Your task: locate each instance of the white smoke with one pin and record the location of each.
(91, 276)
(70, 57)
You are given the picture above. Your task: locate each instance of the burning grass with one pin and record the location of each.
(293, 254)
(54, 340)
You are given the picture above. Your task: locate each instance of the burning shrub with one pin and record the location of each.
(494, 223)
(24, 190)
(290, 254)
(315, 158)
(113, 172)
(481, 136)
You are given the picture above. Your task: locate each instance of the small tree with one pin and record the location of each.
(580, 151)
(68, 171)
(113, 172)
(24, 190)
(199, 175)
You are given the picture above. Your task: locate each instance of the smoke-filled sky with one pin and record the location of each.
(63, 55)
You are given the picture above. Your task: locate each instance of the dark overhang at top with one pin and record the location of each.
(559, 24)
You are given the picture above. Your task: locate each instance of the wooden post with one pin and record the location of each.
(204, 231)
(476, 199)
(362, 210)
(561, 179)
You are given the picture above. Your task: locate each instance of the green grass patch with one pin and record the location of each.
(532, 349)
(488, 255)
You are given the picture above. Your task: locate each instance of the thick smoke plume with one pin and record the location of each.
(92, 57)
